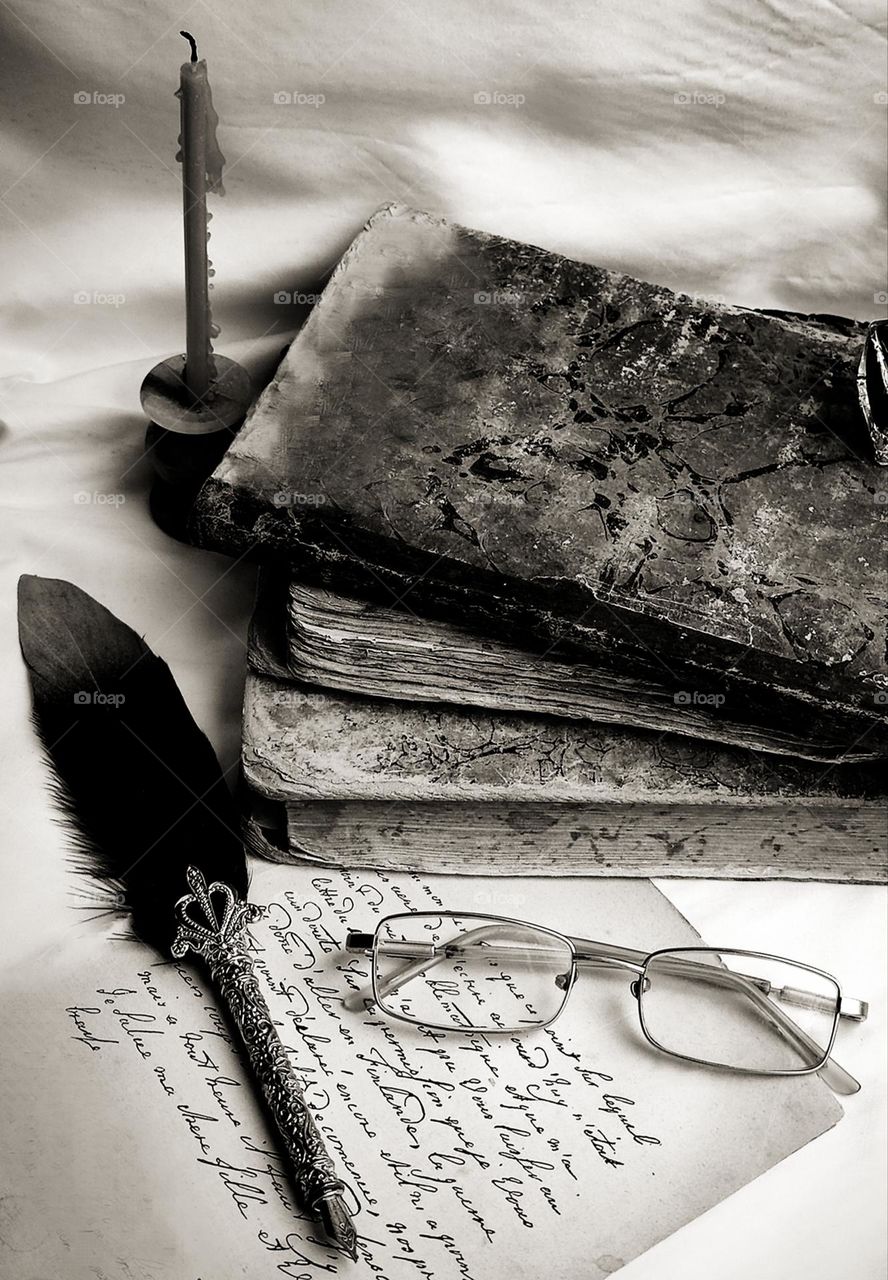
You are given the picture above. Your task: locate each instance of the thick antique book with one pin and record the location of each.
(353, 781)
(669, 490)
(324, 638)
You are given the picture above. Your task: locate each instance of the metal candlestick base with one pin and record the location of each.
(168, 401)
(187, 436)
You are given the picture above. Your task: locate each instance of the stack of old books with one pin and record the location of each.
(563, 572)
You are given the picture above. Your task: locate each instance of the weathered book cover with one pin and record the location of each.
(672, 490)
(372, 782)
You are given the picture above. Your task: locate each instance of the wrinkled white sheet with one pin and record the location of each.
(736, 150)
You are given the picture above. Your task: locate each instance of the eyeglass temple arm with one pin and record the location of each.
(589, 952)
(834, 1074)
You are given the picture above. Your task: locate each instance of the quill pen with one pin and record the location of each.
(144, 795)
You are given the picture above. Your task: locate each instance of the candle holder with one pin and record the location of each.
(187, 435)
(197, 401)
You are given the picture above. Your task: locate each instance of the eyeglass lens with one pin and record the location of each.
(470, 972)
(735, 1010)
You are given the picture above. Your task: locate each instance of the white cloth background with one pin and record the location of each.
(733, 149)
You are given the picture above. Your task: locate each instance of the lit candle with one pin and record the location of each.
(202, 163)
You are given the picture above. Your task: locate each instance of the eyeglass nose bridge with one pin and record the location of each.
(595, 959)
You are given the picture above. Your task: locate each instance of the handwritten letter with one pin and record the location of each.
(142, 1151)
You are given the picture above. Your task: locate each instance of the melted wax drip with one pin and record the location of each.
(215, 163)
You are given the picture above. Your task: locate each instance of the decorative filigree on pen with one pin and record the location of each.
(219, 934)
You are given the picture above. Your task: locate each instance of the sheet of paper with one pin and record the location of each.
(138, 1151)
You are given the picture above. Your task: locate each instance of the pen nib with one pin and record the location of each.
(338, 1224)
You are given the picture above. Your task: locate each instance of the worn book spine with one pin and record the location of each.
(241, 526)
(365, 782)
(839, 843)
(300, 743)
(345, 643)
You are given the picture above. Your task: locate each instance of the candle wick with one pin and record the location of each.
(191, 40)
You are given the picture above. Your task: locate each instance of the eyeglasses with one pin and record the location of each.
(450, 971)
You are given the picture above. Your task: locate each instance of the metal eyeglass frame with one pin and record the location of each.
(586, 952)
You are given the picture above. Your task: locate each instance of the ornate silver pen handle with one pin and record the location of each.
(221, 939)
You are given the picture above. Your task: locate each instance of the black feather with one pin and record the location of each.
(138, 780)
